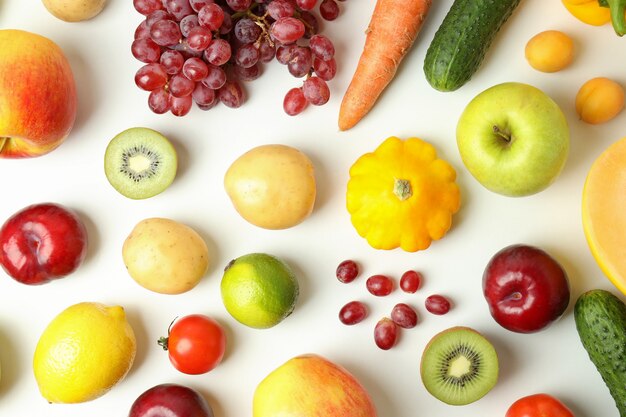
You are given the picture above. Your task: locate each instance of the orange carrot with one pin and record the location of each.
(390, 34)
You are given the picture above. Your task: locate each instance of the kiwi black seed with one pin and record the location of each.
(140, 163)
(459, 366)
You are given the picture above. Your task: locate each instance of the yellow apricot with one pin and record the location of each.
(599, 100)
(550, 51)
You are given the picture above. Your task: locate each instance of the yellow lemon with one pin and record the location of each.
(85, 350)
(259, 290)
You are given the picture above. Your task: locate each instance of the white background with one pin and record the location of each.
(552, 361)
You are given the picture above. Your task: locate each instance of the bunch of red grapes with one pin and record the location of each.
(199, 51)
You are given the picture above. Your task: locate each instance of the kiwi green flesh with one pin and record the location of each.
(459, 366)
(140, 163)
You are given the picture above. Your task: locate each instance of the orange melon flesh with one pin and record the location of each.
(604, 212)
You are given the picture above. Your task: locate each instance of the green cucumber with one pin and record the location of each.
(601, 324)
(460, 43)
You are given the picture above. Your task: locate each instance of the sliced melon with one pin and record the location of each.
(604, 212)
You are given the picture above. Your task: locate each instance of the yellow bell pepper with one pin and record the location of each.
(402, 195)
(599, 12)
(589, 12)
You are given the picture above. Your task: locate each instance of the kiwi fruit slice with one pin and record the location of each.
(459, 366)
(140, 163)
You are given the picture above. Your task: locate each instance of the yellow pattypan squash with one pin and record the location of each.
(402, 195)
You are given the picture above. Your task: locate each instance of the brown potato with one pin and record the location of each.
(74, 10)
(272, 186)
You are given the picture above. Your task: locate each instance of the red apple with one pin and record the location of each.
(526, 289)
(170, 400)
(42, 242)
(37, 95)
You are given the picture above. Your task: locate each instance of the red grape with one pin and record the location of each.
(284, 53)
(437, 304)
(246, 31)
(150, 77)
(218, 52)
(267, 51)
(159, 101)
(404, 316)
(326, 70)
(379, 285)
(188, 23)
(301, 62)
(211, 16)
(195, 69)
(322, 47)
(316, 91)
(306, 4)
(231, 94)
(197, 5)
(227, 24)
(410, 281)
(145, 50)
(180, 86)
(203, 95)
(347, 270)
(199, 38)
(156, 16)
(145, 7)
(294, 103)
(385, 333)
(181, 105)
(247, 73)
(142, 31)
(216, 77)
(287, 30)
(329, 9)
(247, 55)
(280, 8)
(172, 61)
(165, 32)
(311, 24)
(178, 8)
(352, 313)
(239, 5)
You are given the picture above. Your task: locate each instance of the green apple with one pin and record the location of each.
(514, 139)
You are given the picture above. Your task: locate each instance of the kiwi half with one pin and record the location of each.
(140, 163)
(459, 366)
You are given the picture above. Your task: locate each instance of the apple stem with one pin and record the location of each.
(402, 189)
(2, 142)
(500, 133)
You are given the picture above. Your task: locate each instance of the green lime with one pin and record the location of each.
(259, 290)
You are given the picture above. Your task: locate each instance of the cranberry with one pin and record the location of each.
(379, 285)
(410, 281)
(404, 316)
(347, 271)
(437, 304)
(352, 313)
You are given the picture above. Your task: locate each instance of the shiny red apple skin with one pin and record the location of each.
(526, 289)
(42, 242)
(171, 400)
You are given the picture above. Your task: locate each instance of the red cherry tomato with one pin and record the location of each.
(538, 405)
(195, 343)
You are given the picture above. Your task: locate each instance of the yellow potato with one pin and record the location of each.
(165, 256)
(74, 10)
(272, 186)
